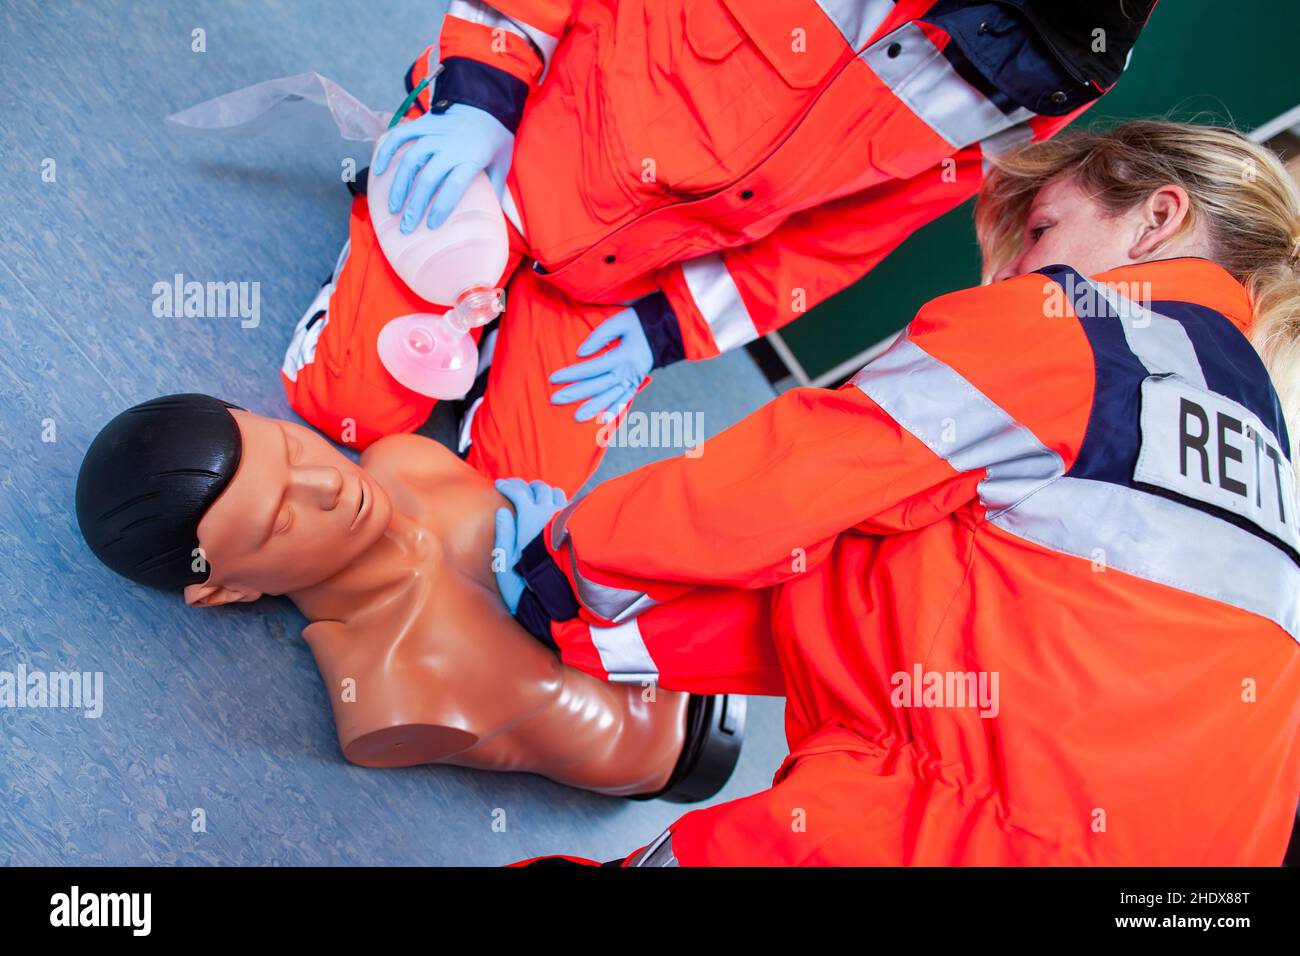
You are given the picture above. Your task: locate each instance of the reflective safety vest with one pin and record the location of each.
(1030, 584)
(743, 160)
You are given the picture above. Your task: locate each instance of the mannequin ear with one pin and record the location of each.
(1163, 214)
(214, 595)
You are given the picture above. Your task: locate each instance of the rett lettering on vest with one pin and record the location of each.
(1211, 449)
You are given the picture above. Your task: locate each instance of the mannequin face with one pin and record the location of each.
(296, 513)
(1067, 226)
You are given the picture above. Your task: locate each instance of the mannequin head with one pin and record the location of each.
(146, 481)
(187, 491)
(296, 513)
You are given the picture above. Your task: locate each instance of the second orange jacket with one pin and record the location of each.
(746, 159)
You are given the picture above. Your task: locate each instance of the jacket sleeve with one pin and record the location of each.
(764, 501)
(761, 502)
(727, 299)
(495, 54)
(905, 443)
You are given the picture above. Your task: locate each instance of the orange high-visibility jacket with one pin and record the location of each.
(729, 164)
(1029, 583)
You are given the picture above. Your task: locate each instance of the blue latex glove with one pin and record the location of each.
(608, 381)
(535, 502)
(448, 151)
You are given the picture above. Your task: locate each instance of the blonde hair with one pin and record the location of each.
(1249, 204)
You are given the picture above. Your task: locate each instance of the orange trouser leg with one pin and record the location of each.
(853, 801)
(708, 641)
(332, 373)
(517, 432)
(832, 809)
(335, 380)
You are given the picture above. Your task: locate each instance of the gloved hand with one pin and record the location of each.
(535, 502)
(449, 149)
(608, 381)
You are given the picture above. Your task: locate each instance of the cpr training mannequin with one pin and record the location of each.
(390, 560)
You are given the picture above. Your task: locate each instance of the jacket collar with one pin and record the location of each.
(1042, 56)
(1187, 279)
(1069, 28)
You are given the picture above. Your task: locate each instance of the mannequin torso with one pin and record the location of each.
(424, 664)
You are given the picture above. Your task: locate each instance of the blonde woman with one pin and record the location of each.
(1030, 581)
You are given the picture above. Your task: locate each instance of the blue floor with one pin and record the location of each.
(222, 710)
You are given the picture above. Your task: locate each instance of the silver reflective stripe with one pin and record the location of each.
(718, 300)
(958, 423)
(1004, 142)
(622, 650)
(560, 524)
(341, 261)
(623, 653)
(476, 11)
(611, 603)
(487, 347)
(857, 20)
(511, 210)
(302, 347)
(467, 427)
(658, 853)
(1160, 343)
(1013, 137)
(1026, 494)
(920, 75)
(1160, 540)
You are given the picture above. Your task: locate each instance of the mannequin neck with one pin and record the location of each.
(382, 570)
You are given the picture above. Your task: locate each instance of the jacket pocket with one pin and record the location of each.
(801, 49)
(711, 30)
(705, 98)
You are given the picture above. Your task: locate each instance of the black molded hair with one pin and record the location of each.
(147, 480)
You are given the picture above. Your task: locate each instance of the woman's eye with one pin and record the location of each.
(1037, 232)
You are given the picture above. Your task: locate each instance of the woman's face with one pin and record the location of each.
(1067, 227)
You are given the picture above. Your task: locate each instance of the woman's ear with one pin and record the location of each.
(214, 595)
(1162, 216)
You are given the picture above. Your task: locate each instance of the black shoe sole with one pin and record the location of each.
(715, 730)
